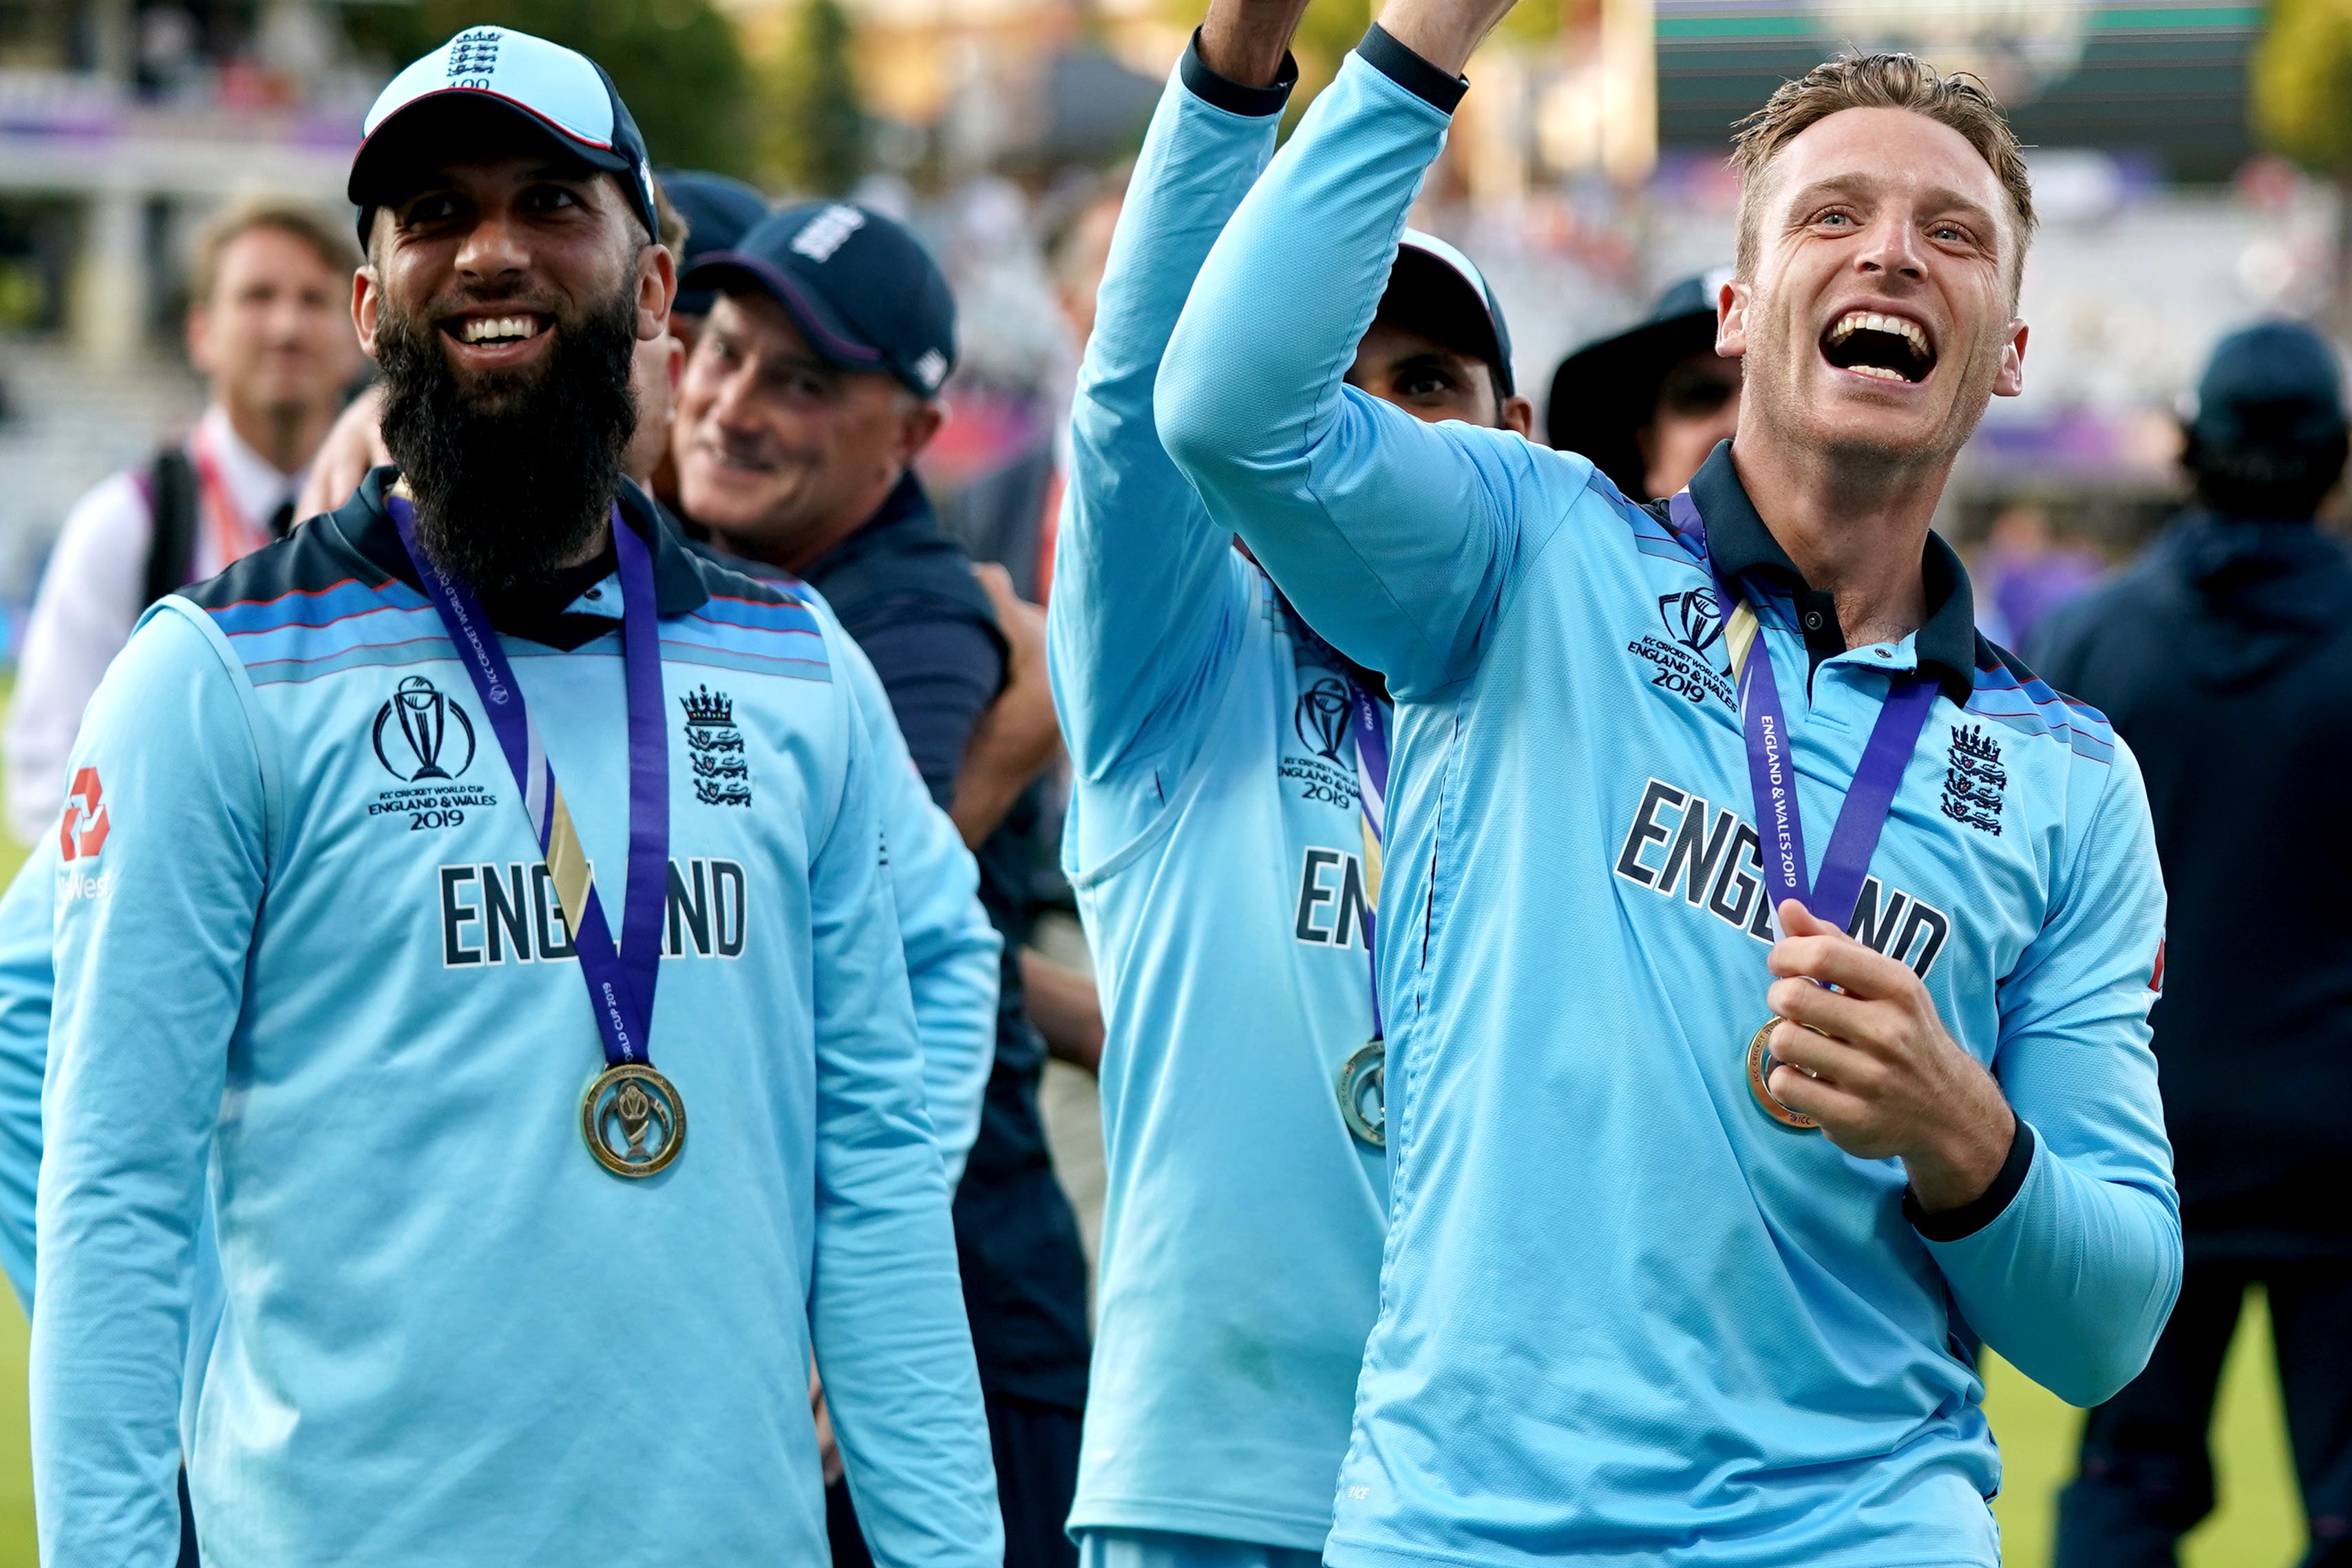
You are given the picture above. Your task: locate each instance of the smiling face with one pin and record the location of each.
(780, 452)
(500, 257)
(503, 299)
(1877, 317)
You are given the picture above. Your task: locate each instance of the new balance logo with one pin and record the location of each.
(822, 235)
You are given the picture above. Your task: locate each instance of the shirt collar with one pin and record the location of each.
(254, 484)
(677, 582)
(1739, 542)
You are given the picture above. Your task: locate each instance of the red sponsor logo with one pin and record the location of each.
(2156, 975)
(83, 833)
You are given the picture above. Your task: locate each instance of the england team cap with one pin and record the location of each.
(1438, 291)
(859, 284)
(440, 104)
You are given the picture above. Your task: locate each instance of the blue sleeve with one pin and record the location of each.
(1149, 594)
(2074, 1279)
(1396, 540)
(151, 948)
(952, 951)
(941, 670)
(26, 984)
(885, 1304)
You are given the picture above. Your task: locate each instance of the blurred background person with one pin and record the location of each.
(268, 324)
(811, 390)
(1649, 403)
(2224, 658)
(2025, 572)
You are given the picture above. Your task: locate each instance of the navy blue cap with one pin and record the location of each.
(2273, 385)
(1438, 291)
(1604, 393)
(719, 210)
(436, 107)
(860, 287)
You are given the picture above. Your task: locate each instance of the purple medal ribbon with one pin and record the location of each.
(620, 981)
(1371, 726)
(1772, 768)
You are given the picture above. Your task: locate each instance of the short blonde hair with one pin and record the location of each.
(1878, 81)
(332, 241)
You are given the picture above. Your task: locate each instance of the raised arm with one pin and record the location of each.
(1395, 538)
(2073, 1278)
(1148, 597)
(155, 916)
(885, 1306)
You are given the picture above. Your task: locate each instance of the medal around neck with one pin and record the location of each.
(1363, 1093)
(633, 1118)
(1772, 777)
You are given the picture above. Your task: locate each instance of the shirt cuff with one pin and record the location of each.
(1952, 1225)
(1235, 97)
(1409, 71)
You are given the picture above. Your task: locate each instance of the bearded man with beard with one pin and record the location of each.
(1714, 1160)
(351, 826)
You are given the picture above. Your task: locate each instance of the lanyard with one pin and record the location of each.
(234, 534)
(1771, 766)
(620, 982)
(1371, 730)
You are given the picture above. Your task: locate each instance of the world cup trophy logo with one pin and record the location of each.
(1321, 717)
(423, 715)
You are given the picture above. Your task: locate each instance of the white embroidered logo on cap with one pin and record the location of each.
(822, 235)
(931, 368)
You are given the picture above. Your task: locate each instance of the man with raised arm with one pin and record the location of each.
(1224, 845)
(415, 927)
(1712, 1168)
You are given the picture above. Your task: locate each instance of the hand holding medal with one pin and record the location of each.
(1857, 1049)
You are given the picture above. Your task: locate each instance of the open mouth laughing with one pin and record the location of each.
(494, 335)
(1881, 346)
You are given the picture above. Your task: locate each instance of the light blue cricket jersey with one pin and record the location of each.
(950, 950)
(1215, 847)
(1624, 1315)
(306, 969)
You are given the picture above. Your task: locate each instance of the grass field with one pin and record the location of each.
(2258, 1524)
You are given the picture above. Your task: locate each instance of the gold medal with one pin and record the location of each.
(1364, 1093)
(1760, 1063)
(635, 1122)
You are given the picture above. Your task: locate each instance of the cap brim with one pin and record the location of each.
(736, 271)
(436, 126)
(1605, 392)
(1427, 296)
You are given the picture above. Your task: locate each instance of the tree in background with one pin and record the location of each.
(2301, 102)
(677, 62)
(813, 129)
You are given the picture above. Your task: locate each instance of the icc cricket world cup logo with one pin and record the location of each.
(423, 717)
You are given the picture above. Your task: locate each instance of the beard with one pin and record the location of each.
(514, 472)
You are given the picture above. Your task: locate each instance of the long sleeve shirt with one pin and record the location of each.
(311, 981)
(1625, 1312)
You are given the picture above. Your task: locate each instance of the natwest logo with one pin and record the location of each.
(83, 833)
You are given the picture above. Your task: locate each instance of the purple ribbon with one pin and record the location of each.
(620, 980)
(1371, 726)
(1772, 765)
